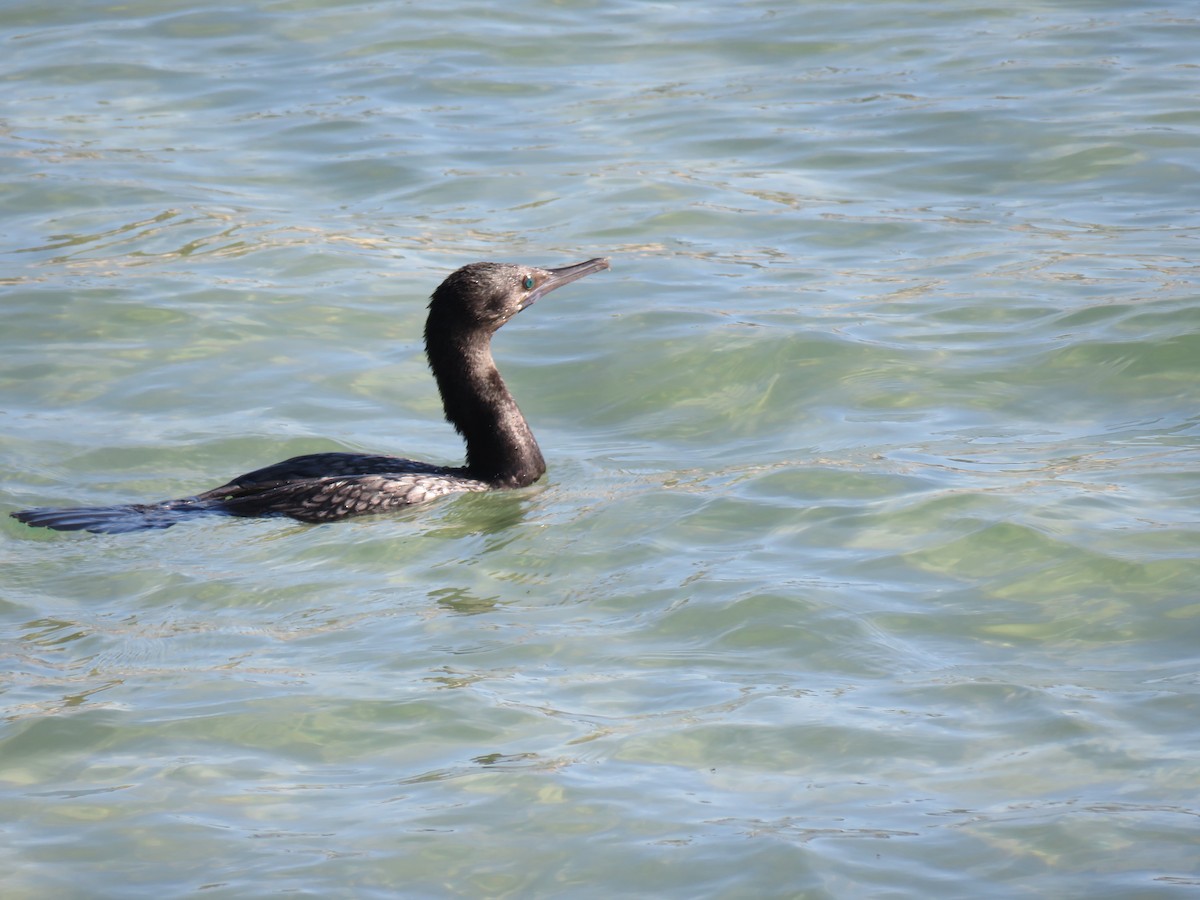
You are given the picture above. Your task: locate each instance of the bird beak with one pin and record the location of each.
(556, 278)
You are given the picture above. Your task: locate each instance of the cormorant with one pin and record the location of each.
(464, 312)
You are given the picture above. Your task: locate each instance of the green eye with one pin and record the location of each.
(528, 282)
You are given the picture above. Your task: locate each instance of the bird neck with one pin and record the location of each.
(501, 449)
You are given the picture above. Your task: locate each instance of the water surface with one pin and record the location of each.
(866, 561)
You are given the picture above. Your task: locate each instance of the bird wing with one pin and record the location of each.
(337, 497)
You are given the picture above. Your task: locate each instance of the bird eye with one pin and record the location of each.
(528, 282)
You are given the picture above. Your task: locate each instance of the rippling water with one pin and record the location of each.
(867, 560)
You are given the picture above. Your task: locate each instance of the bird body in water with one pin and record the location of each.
(464, 312)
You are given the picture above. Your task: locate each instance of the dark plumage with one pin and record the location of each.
(464, 312)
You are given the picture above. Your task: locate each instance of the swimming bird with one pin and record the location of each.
(464, 312)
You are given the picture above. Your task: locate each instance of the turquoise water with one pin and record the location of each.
(866, 564)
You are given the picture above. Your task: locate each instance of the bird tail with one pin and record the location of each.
(117, 519)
